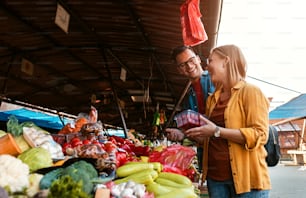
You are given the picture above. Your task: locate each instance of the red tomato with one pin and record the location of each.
(65, 146)
(85, 142)
(75, 139)
(109, 147)
(76, 143)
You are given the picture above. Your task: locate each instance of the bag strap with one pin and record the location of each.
(273, 129)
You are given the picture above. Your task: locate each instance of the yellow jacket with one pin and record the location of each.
(247, 110)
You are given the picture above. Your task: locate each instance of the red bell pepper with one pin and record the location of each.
(126, 147)
(121, 158)
(141, 150)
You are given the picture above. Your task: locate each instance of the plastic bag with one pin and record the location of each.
(13, 126)
(192, 27)
(174, 156)
(93, 115)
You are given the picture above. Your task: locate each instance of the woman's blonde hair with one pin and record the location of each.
(236, 65)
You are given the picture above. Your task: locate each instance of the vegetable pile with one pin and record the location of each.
(80, 171)
(36, 158)
(66, 186)
(149, 174)
(123, 168)
(13, 174)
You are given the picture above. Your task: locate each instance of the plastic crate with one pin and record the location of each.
(63, 138)
(188, 119)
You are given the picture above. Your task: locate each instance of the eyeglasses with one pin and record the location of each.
(191, 60)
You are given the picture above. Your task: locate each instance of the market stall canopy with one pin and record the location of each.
(114, 54)
(295, 108)
(40, 118)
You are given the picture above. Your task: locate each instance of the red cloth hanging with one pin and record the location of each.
(192, 27)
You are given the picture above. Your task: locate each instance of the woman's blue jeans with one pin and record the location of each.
(226, 189)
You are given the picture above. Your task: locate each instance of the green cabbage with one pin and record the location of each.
(36, 158)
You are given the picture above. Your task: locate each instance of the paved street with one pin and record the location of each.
(288, 181)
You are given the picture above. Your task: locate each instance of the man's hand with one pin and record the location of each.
(174, 134)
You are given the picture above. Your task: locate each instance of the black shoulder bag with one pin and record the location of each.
(272, 147)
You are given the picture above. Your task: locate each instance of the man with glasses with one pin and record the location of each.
(189, 64)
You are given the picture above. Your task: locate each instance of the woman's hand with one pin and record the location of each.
(206, 130)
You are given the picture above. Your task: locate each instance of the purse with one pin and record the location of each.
(272, 147)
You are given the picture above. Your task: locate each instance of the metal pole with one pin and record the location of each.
(178, 103)
(116, 96)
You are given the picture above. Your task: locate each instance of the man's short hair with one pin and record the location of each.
(179, 50)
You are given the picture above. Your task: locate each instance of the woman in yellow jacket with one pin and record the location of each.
(236, 130)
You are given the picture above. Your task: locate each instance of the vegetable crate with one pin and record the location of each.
(63, 138)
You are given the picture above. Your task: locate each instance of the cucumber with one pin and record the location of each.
(158, 189)
(181, 179)
(171, 183)
(156, 165)
(129, 169)
(144, 179)
(179, 193)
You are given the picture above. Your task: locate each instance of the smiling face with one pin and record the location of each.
(189, 64)
(227, 65)
(217, 68)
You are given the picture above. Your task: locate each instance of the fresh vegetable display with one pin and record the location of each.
(129, 168)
